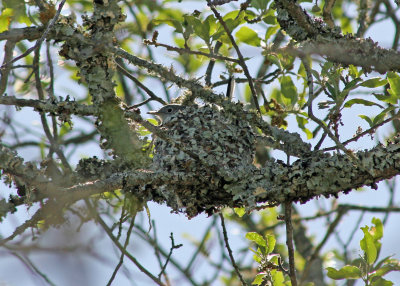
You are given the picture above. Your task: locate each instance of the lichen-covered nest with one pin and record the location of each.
(223, 146)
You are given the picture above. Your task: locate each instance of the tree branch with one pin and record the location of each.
(289, 242)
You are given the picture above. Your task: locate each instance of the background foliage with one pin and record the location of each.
(74, 166)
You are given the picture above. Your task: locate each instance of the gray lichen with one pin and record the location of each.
(223, 149)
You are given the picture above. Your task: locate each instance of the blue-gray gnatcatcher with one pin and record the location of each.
(165, 112)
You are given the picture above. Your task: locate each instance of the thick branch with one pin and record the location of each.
(359, 52)
(325, 174)
(321, 174)
(59, 108)
(316, 37)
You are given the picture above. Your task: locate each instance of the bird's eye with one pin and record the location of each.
(169, 110)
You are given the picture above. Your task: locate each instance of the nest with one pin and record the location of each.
(222, 148)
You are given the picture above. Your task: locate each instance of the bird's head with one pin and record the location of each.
(165, 112)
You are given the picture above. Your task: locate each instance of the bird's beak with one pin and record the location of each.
(153, 112)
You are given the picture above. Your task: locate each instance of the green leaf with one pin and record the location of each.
(42, 147)
(377, 231)
(302, 72)
(201, 29)
(259, 4)
(349, 87)
(257, 238)
(212, 23)
(277, 277)
(287, 61)
(368, 246)
(5, 18)
(366, 118)
(333, 92)
(64, 129)
(232, 20)
(271, 243)
(346, 272)
(188, 31)
(346, 25)
(270, 18)
(240, 211)
(325, 68)
(18, 9)
(352, 84)
(288, 89)
(316, 75)
(301, 121)
(270, 31)
(383, 261)
(389, 265)
(278, 96)
(386, 98)
(354, 73)
(274, 59)
(142, 131)
(374, 82)
(394, 82)
(381, 116)
(360, 101)
(257, 257)
(248, 36)
(258, 280)
(153, 121)
(170, 22)
(381, 282)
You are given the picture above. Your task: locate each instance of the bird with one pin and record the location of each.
(165, 112)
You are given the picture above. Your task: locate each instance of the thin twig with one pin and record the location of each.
(126, 253)
(51, 90)
(211, 64)
(239, 53)
(36, 217)
(69, 107)
(392, 187)
(220, 2)
(42, 38)
(121, 260)
(54, 145)
(355, 229)
(289, 242)
(368, 131)
(141, 103)
(173, 246)
(201, 244)
(4, 72)
(327, 13)
(188, 51)
(157, 251)
(362, 18)
(141, 85)
(153, 243)
(370, 209)
(143, 33)
(310, 109)
(230, 250)
(330, 230)
(25, 259)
